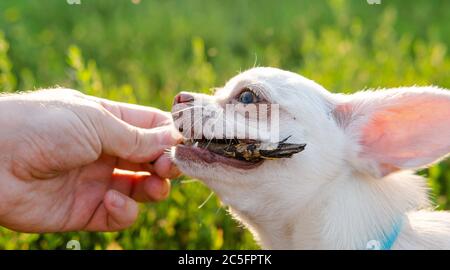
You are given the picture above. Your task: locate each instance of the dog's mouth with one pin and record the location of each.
(238, 153)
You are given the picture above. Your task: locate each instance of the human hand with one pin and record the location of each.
(60, 151)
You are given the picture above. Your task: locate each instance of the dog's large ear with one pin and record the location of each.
(394, 129)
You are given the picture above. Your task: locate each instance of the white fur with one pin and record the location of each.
(333, 195)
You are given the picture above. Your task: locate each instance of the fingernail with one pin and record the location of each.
(176, 135)
(117, 200)
(160, 188)
(174, 171)
(168, 135)
(165, 190)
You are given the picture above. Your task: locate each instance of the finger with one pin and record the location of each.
(131, 143)
(115, 213)
(153, 189)
(123, 176)
(123, 164)
(122, 210)
(124, 181)
(165, 168)
(136, 115)
(145, 187)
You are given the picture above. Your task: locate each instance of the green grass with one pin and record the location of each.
(146, 53)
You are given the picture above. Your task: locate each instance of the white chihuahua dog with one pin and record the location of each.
(353, 186)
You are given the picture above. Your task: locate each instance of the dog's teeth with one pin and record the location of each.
(196, 144)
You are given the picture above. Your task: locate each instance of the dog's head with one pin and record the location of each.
(368, 133)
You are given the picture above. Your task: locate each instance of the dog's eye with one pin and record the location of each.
(247, 97)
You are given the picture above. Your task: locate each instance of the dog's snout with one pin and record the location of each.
(183, 97)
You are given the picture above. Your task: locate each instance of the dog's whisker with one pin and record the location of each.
(186, 109)
(189, 131)
(255, 63)
(229, 143)
(207, 199)
(219, 209)
(192, 126)
(189, 181)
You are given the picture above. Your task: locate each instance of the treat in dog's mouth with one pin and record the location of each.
(240, 153)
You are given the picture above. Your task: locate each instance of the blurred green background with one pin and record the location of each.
(146, 51)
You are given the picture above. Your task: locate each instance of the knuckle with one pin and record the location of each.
(132, 150)
(71, 92)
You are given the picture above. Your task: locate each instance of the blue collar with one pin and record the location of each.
(389, 239)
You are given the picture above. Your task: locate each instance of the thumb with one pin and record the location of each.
(121, 210)
(135, 144)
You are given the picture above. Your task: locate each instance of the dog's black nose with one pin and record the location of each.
(183, 97)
